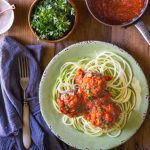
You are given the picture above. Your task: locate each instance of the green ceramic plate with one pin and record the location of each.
(68, 134)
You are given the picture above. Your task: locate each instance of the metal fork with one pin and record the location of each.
(24, 80)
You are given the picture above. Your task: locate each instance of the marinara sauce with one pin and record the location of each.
(116, 12)
(91, 100)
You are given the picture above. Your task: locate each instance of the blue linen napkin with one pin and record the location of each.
(11, 101)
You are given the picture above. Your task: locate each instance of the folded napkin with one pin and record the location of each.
(11, 101)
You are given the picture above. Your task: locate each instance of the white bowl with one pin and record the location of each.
(7, 18)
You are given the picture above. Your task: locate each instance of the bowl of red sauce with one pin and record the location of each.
(120, 13)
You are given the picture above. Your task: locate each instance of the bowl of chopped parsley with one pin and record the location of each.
(52, 20)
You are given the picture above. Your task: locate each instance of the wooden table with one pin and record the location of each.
(88, 29)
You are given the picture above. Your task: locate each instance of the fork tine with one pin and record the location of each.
(27, 67)
(24, 66)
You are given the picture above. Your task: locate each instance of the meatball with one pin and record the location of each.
(71, 104)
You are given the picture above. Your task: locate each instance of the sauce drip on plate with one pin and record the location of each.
(116, 12)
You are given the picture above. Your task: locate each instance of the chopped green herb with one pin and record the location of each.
(90, 97)
(76, 88)
(52, 19)
(88, 92)
(84, 87)
(100, 109)
(66, 107)
(106, 126)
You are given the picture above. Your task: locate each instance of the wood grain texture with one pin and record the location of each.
(89, 29)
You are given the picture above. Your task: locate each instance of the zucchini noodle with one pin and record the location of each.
(123, 93)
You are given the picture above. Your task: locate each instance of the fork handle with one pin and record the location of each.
(26, 126)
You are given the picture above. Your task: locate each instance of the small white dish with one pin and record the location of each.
(7, 18)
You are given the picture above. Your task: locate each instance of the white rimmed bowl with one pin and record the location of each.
(7, 18)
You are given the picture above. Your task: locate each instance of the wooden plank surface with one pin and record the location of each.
(89, 29)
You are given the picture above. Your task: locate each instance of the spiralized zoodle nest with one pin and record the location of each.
(120, 87)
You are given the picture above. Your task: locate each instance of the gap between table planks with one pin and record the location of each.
(89, 29)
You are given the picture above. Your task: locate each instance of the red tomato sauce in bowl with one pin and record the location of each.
(116, 12)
